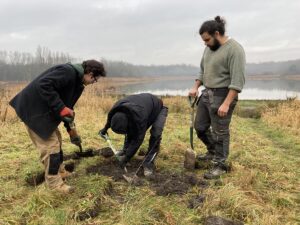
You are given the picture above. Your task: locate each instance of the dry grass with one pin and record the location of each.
(285, 116)
(262, 189)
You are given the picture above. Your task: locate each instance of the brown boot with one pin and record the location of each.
(64, 173)
(65, 189)
(55, 182)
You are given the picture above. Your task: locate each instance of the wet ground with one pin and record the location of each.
(162, 182)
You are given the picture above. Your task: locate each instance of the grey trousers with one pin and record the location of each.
(212, 129)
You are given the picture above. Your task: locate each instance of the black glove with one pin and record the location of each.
(75, 138)
(122, 160)
(102, 132)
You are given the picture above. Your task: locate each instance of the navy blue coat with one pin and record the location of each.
(40, 102)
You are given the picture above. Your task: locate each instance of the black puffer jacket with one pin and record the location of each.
(142, 111)
(39, 104)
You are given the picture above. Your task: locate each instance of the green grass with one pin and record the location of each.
(263, 187)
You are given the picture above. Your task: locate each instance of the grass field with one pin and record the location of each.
(262, 188)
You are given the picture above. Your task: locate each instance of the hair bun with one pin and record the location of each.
(218, 19)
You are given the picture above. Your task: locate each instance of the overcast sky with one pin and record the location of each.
(149, 31)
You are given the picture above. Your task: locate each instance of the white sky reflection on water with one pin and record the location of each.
(247, 94)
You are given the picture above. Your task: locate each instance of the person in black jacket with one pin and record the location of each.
(132, 116)
(48, 100)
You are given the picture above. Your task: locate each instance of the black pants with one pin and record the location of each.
(155, 136)
(212, 129)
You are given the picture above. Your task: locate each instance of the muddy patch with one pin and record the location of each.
(167, 183)
(89, 152)
(196, 201)
(106, 152)
(162, 182)
(111, 169)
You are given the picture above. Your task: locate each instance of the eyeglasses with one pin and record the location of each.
(95, 79)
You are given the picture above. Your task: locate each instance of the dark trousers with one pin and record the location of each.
(155, 136)
(212, 129)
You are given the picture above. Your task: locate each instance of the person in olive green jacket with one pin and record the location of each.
(222, 73)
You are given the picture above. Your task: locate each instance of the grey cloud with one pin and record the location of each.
(148, 31)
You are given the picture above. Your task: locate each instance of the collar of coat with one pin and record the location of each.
(79, 69)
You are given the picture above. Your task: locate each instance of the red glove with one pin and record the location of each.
(66, 112)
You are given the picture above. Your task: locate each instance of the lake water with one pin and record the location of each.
(254, 89)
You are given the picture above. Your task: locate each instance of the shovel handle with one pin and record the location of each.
(192, 101)
(80, 147)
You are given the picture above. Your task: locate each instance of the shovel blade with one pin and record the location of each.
(131, 179)
(189, 159)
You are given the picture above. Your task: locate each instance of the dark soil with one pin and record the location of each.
(196, 201)
(111, 169)
(106, 152)
(89, 152)
(215, 220)
(166, 183)
(163, 183)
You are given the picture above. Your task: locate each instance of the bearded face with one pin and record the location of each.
(216, 44)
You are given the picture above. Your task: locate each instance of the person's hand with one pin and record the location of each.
(193, 92)
(122, 160)
(223, 110)
(74, 138)
(67, 115)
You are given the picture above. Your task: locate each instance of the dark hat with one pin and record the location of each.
(119, 123)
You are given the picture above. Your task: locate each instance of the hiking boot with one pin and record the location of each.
(64, 188)
(215, 172)
(205, 157)
(65, 174)
(148, 170)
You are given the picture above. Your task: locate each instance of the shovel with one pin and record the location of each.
(87, 153)
(190, 156)
(134, 179)
(106, 137)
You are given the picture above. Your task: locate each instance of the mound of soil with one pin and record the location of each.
(112, 169)
(196, 201)
(106, 152)
(166, 183)
(163, 183)
(89, 152)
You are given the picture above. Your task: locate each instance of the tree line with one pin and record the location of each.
(22, 66)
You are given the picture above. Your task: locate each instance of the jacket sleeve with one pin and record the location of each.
(134, 143)
(49, 85)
